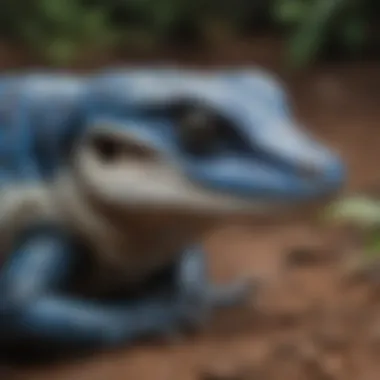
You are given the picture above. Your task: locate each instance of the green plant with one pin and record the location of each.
(60, 30)
(313, 24)
(57, 29)
(362, 212)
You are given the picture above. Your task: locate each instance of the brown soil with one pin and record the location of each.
(315, 317)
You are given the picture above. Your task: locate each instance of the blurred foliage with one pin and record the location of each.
(56, 29)
(317, 24)
(358, 210)
(362, 212)
(61, 30)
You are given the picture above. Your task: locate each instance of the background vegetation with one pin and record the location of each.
(62, 30)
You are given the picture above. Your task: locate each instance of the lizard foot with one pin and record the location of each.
(235, 294)
(198, 298)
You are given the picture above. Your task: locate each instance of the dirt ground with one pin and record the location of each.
(313, 318)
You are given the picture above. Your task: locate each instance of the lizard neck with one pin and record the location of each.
(128, 246)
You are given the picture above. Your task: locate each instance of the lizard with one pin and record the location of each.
(109, 180)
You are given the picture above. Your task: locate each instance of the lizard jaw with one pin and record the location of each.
(147, 180)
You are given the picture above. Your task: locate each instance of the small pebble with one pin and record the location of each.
(353, 269)
(306, 256)
(308, 352)
(374, 338)
(323, 368)
(285, 350)
(332, 339)
(229, 371)
(332, 334)
(357, 269)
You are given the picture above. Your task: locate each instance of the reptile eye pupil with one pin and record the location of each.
(197, 129)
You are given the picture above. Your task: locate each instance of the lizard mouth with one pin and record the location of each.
(119, 171)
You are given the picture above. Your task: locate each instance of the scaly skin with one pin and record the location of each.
(111, 178)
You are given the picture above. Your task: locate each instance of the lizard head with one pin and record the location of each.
(221, 143)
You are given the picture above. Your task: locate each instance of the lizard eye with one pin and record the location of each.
(198, 130)
(107, 149)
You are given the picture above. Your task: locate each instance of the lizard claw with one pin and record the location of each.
(237, 293)
(198, 298)
(196, 311)
(198, 308)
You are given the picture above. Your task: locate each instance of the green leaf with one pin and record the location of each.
(289, 11)
(94, 25)
(358, 210)
(166, 13)
(372, 248)
(354, 33)
(59, 11)
(309, 37)
(61, 51)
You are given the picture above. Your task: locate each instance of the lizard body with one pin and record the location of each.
(135, 165)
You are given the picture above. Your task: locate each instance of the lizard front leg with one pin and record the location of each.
(199, 296)
(35, 307)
